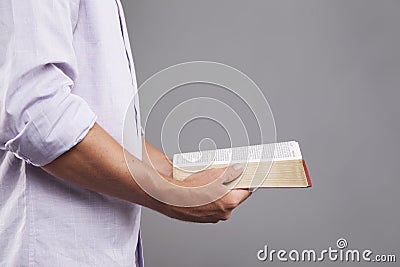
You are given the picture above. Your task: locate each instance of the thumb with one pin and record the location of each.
(232, 172)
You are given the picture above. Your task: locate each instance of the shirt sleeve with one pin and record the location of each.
(40, 118)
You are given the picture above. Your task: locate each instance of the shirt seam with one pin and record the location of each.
(31, 227)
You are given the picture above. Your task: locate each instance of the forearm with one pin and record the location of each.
(156, 159)
(98, 163)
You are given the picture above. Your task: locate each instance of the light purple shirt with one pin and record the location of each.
(64, 64)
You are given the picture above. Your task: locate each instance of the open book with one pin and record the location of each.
(267, 165)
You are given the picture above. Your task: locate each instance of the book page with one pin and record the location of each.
(258, 153)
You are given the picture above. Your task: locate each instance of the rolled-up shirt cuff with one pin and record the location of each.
(58, 128)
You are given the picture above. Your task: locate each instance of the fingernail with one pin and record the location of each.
(238, 166)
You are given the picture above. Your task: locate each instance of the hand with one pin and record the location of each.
(220, 209)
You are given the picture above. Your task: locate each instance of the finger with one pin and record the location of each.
(240, 195)
(232, 172)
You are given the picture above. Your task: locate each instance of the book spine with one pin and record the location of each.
(307, 174)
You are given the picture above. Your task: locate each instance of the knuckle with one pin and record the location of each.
(222, 207)
(231, 203)
(226, 216)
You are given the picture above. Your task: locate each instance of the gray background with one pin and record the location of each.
(331, 73)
